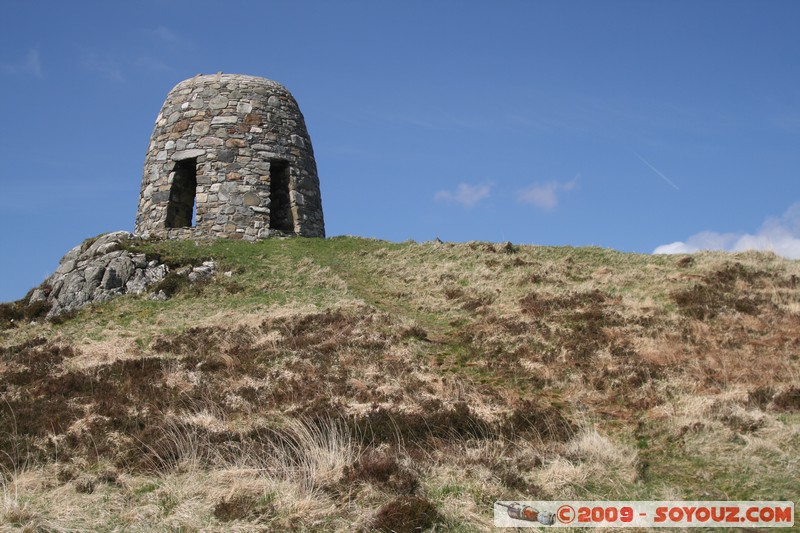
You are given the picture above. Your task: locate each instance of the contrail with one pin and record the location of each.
(654, 169)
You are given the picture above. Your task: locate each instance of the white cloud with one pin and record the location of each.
(31, 65)
(545, 195)
(465, 194)
(777, 234)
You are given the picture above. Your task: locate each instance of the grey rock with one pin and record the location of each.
(38, 295)
(138, 283)
(73, 254)
(218, 102)
(56, 287)
(210, 141)
(119, 271)
(252, 199)
(187, 154)
(104, 248)
(66, 266)
(202, 272)
(111, 280)
(155, 273)
(139, 260)
(224, 120)
(93, 275)
(96, 271)
(160, 197)
(200, 129)
(160, 296)
(226, 156)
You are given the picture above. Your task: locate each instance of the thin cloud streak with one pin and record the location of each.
(165, 34)
(152, 64)
(104, 65)
(654, 169)
(31, 65)
(465, 194)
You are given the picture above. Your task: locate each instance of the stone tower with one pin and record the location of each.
(229, 157)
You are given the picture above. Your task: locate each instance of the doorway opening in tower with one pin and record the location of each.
(280, 208)
(182, 194)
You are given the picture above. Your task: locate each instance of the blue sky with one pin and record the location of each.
(625, 124)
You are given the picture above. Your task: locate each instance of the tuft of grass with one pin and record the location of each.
(406, 514)
(22, 311)
(383, 470)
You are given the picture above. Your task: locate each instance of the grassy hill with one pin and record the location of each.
(349, 384)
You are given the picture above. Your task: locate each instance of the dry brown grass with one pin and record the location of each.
(347, 383)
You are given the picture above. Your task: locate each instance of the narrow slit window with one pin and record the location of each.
(182, 194)
(280, 209)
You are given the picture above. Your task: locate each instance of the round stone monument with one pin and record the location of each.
(229, 157)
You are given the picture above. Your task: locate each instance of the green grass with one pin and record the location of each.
(146, 488)
(346, 327)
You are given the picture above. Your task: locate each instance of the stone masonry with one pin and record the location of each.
(230, 157)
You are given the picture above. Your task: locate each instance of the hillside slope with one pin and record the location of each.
(349, 383)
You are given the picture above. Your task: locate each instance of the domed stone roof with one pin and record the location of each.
(230, 157)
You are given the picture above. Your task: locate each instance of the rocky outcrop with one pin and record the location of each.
(100, 269)
(103, 268)
(96, 271)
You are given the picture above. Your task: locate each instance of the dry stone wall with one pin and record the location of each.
(230, 157)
